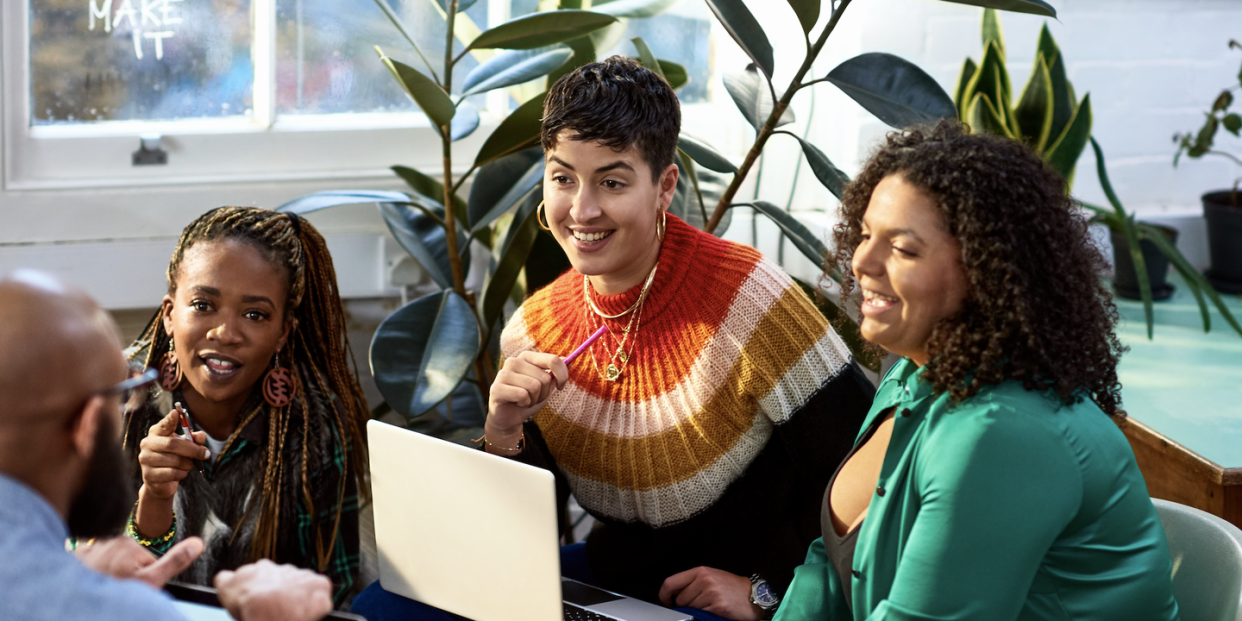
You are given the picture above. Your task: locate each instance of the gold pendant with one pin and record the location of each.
(613, 373)
(622, 356)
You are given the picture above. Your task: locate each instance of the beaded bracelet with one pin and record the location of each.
(521, 444)
(132, 531)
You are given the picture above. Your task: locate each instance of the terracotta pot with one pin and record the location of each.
(1223, 212)
(1125, 280)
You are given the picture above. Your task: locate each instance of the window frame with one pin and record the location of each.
(263, 148)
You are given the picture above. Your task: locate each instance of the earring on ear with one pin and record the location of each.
(278, 385)
(542, 219)
(170, 369)
(661, 225)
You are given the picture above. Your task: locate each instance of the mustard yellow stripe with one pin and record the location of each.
(785, 332)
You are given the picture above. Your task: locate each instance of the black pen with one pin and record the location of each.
(183, 422)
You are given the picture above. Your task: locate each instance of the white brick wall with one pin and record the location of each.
(1152, 67)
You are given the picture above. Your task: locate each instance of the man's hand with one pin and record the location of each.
(716, 591)
(265, 591)
(122, 557)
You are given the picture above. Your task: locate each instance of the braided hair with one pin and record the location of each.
(317, 347)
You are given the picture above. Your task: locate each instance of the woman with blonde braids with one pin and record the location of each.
(250, 342)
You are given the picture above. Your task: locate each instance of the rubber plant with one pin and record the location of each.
(435, 357)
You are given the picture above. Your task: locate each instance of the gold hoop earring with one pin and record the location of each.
(542, 220)
(662, 225)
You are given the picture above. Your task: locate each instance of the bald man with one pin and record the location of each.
(61, 474)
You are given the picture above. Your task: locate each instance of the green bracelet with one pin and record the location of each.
(143, 541)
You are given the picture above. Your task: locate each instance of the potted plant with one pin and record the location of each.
(438, 352)
(1222, 208)
(1047, 116)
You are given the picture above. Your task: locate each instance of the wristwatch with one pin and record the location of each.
(762, 595)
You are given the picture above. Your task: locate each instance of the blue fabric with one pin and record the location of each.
(40, 581)
(376, 604)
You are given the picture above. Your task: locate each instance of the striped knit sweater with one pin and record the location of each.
(715, 445)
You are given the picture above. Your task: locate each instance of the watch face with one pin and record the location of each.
(764, 595)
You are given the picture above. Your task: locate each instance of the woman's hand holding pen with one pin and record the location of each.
(520, 390)
(166, 458)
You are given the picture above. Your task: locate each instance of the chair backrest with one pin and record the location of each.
(1207, 562)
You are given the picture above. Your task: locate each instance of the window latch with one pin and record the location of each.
(149, 152)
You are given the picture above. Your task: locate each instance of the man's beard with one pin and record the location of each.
(103, 506)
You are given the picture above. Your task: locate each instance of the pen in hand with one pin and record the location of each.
(183, 422)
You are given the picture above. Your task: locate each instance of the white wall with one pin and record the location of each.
(1152, 68)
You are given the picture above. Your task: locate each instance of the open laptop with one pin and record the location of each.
(476, 535)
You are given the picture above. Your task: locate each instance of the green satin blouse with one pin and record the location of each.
(1009, 505)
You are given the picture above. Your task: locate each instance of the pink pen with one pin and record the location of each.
(581, 348)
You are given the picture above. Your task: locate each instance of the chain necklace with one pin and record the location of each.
(586, 292)
(612, 371)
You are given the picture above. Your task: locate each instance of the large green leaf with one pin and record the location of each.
(425, 240)
(430, 188)
(464, 122)
(646, 58)
(991, 31)
(962, 96)
(706, 156)
(421, 352)
(846, 328)
(515, 67)
(746, 31)
(436, 104)
(541, 30)
(827, 173)
(396, 21)
(984, 118)
(750, 92)
(1063, 155)
(895, 90)
(675, 74)
(992, 79)
(1035, 107)
(634, 8)
(807, 12)
(499, 185)
(1063, 103)
(686, 164)
(1034, 7)
(584, 53)
(808, 243)
(1131, 233)
(519, 131)
(336, 198)
(517, 244)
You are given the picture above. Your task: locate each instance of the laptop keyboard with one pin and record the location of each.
(577, 613)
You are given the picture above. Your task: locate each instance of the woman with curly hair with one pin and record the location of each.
(988, 481)
(250, 343)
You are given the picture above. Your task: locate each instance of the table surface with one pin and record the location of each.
(1185, 383)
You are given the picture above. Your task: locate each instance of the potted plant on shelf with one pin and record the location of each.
(1049, 118)
(1222, 208)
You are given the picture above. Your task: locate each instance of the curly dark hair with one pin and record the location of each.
(1036, 309)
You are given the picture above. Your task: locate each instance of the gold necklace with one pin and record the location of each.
(586, 292)
(613, 371)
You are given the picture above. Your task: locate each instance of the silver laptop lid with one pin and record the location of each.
(462, 530)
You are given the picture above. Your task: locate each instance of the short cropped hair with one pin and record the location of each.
(618, 103)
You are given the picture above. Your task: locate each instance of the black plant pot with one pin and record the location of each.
(1223, 212)
(1125, 280)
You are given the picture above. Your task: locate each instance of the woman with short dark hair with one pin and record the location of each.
(988, 481)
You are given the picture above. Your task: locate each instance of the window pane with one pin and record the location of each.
(326, 62)
(148, 60)
(681, 39)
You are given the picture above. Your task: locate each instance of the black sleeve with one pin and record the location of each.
(817, 438)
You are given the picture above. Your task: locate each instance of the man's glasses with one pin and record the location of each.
(131, 396)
